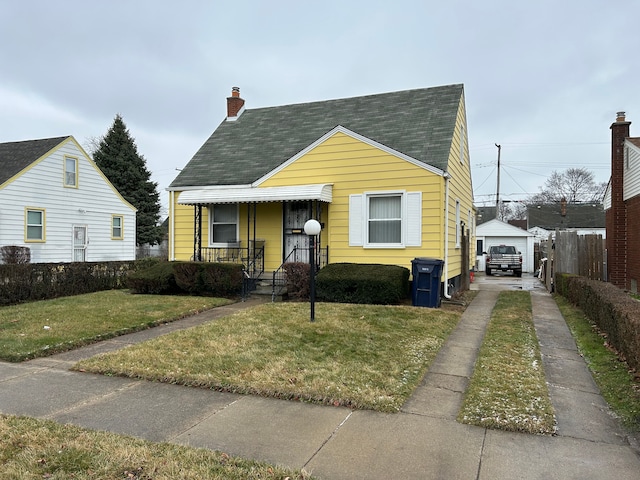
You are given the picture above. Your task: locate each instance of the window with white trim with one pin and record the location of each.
(223, 222)
(385, 219)
(34, 225)
(70, 172)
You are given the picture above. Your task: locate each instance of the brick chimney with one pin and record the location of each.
(616, 216)
(234, 103)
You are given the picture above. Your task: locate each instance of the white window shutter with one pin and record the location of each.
(356, 220)
(413, 219)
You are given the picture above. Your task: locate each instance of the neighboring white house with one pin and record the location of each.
(55, 200)
(496, 232)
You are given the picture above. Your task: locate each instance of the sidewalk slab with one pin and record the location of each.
(536, 457)
(276, 431)
(375, 446)
(586, 416)
(14, 370)
(569, 373)
(45, 392)
(153, 411)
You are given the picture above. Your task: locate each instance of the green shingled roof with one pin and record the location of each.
(16, 156)
(418, 123)
(549, 216)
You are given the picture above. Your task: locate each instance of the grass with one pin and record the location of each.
(360, 356)
(508, 390)
(37, 449)
(617, 384)
(43, 328)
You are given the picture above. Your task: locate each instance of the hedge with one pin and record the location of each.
(195, 278)
(362, 283)
(24, 282)
(611, 309)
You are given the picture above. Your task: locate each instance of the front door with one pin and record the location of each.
(295, 216)
(80, 243)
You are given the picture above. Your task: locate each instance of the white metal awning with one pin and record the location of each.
(322, 192)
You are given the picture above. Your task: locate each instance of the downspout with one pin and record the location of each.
(447, 177)
(172, 233)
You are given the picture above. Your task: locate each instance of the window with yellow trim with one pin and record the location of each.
(117, 231)
(70, 172)
(34, 225)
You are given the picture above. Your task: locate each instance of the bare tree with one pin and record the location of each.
(512, 211)
(576, 185)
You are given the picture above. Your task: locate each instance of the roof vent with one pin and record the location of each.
(620, 117)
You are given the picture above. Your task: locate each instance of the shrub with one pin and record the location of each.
(158, 279)
(195, 278)
(363, 283)
(612, 310)
(297, 274)
(14, 254)
(221, 279)
(187, 276)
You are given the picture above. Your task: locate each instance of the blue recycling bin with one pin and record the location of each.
(425, 289)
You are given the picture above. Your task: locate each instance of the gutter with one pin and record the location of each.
(446, 293)
(172, 227)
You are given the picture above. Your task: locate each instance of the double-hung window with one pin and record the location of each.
(385, 219)
(223, 219)
(70, 172)
(34, 225)
(117, 222)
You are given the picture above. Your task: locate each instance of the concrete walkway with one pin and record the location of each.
(422, 441)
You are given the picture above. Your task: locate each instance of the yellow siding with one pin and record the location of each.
(354, 167)
(460, 188)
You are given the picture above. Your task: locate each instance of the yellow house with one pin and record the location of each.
(388, 177)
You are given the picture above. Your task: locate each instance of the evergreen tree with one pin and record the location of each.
(118, 158)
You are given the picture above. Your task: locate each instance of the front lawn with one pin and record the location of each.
(361, 356)
(38, 329)
(32, 449)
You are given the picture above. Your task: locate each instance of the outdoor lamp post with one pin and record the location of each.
(312, 229)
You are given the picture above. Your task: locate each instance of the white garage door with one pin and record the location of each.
(519, 242)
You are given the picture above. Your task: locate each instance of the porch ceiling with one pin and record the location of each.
(322, 192)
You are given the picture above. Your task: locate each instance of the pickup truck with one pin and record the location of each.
(503, 258)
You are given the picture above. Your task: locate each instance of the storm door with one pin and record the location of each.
(80, 243)
(295, 216)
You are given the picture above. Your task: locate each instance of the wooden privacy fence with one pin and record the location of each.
(583, 255)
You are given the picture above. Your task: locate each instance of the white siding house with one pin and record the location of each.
(56, 201)
(496, 232)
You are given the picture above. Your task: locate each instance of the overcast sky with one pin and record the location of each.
(543, 79)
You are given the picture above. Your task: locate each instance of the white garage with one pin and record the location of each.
(496, 232)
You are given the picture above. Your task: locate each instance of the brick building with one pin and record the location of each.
(622, 207)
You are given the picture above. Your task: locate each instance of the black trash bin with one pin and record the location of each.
(425, 290)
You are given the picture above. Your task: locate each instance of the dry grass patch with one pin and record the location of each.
(36, 449)
(361, 356)
(508, 390)
(38, 329)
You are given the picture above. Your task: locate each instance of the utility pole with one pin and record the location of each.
(498, 186)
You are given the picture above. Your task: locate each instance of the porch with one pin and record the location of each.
(262, 234)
